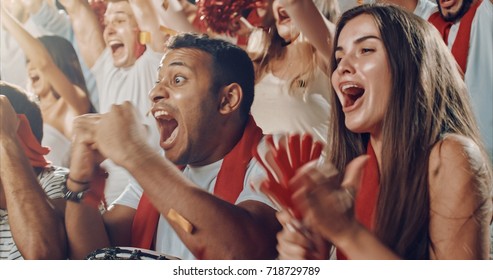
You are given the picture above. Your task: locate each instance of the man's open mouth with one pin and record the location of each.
(116, 47)
(168, 127)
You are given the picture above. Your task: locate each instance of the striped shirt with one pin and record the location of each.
(51, 180)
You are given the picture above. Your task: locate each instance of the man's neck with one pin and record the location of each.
(225, 144)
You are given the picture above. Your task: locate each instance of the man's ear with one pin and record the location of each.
(230, 98)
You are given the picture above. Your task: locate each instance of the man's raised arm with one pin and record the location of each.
(148, 21)
(87, 30)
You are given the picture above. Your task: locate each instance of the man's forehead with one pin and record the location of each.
(119, 8)
(186, 56)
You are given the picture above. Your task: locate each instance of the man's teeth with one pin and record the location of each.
(158, 114)
(112, 43)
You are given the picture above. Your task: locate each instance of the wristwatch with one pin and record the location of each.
(71, 195)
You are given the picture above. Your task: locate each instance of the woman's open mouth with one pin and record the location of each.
(351, 93)
(283, 16)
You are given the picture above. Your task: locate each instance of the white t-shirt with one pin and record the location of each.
(167, 241)
(117, 85)
(277, 110)
(59, 146)
(425, 9)
(479, 71)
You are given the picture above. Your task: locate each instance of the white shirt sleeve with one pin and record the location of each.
(479, 71)
(131, 195)
(254, 175)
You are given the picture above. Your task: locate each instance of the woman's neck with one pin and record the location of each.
(47, 101)
(376, 143)
(291, 51)
(293, 62)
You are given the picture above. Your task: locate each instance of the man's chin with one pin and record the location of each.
(451, 16)
(457, 15)
(173, 157)
(122, 62)
(118, 63)
(122, 65)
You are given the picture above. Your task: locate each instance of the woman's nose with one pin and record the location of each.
(345, 66)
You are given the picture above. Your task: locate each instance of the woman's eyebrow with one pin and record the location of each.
(359, 40)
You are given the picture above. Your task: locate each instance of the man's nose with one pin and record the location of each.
(158, 92)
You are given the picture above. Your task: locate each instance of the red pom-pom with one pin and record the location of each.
(221, 16)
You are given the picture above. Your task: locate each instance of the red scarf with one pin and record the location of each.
(460, 47)
(229, 185)
(34, 151)
(366, 199)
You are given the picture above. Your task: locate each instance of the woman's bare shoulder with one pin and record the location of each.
(454, 151)
(460, 199)
(456, 166)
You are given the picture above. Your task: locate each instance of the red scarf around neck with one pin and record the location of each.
(229, 184)
(33, 149)
(366, 199)
(460, 48)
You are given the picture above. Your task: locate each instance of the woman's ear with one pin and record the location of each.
(230, 96)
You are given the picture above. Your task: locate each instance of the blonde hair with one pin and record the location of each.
(265, 46)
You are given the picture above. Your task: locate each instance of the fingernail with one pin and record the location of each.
(290, 227)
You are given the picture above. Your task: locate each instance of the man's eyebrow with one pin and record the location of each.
(177, 63)
(359, 40)
(119, 13)
(173, 64)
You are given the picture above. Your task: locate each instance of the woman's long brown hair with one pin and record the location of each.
(428, 100)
